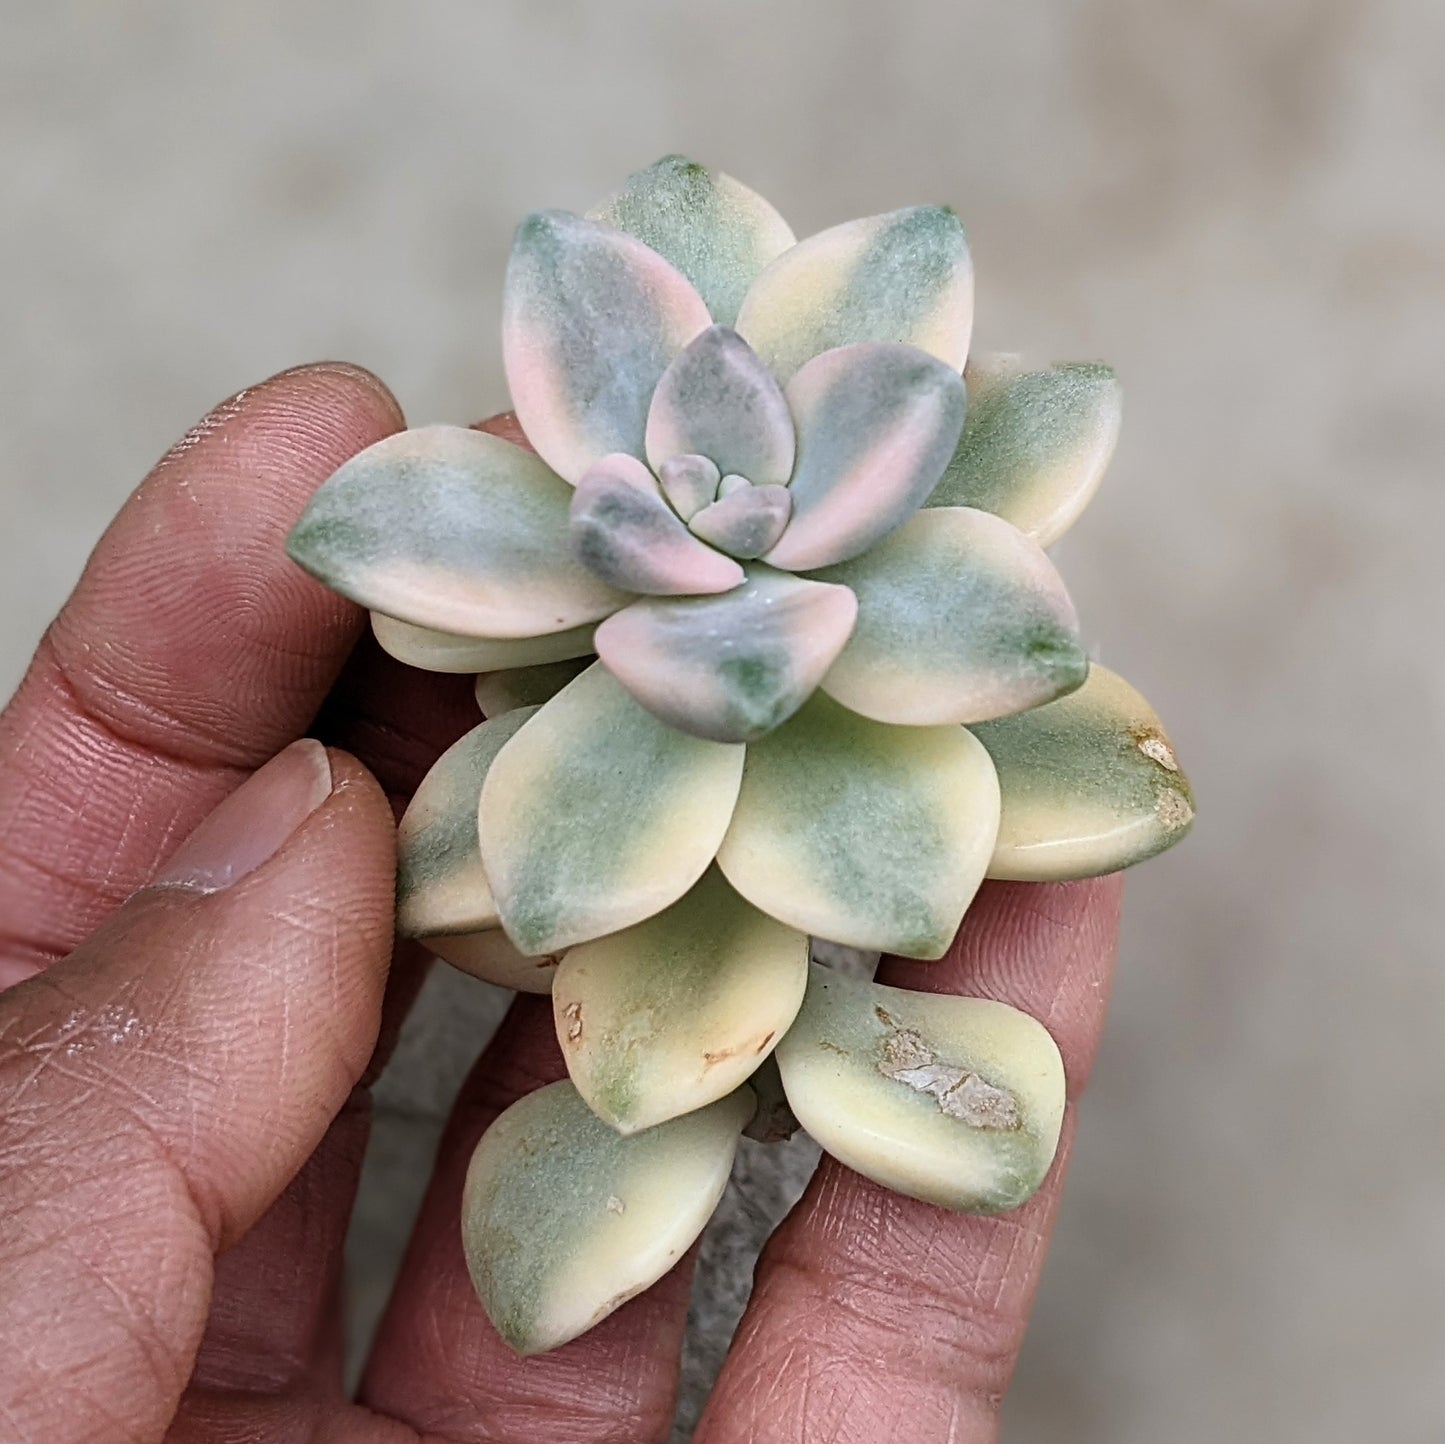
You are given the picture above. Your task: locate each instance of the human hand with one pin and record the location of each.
(188, 1032)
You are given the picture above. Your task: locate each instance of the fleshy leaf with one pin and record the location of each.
(961, 618)
(675, 1013)
(443, 652)
(596, 816)
(564, 1219)
(624, 531)
(865, 834)
(1090, 784)
(733, 667)
(505, 691)
(715, 230)
(957, 1101)
(876, 423)
(440, 884)
(451, 529)
(492, 957)
(689, 482)
(718, 400)
(746, 522)
(1035, 445)
(905, 276)
(591, 318)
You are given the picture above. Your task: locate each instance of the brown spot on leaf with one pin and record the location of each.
(1155, 746)
(1173, 809)
(908, 1059)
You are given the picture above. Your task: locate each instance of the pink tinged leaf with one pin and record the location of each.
(877, 423)
(905, 276)
(689, 483)
(961, 618)
(730, 668)
(624, 532)
(718, 400)
(715, 230)
(455, 531)
(746, 522)
(591, 319)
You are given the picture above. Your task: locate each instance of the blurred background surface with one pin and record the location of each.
(1239, 205)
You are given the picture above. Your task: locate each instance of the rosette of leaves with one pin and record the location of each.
(770, 647)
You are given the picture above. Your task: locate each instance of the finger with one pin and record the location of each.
(396, 719)
(191, 650)
(876, 1316)
(439, 1366)
(161, 1086)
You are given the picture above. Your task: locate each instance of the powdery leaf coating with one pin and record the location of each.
(689, 482)
(746, 522)
(672, 1014)
(905, 276)
(733, 667)
(596, 815)
(1090, 784)
(1036, 443)
(434, 651)
(564, 1219)
(715, 230)
(441, 886)
(877, 423)
(957, 1101)
(869, 835)
(451, 529)
(718, 400)
(591, 318)
(624, 531)
(961, 618)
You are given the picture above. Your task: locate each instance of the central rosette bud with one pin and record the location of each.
(720, 449)
(740, 485)
(727, 512)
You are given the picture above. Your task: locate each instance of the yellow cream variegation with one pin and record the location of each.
(770, 646)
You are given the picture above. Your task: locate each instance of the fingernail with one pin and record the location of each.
(252, 824)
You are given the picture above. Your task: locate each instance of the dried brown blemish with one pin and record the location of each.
(1174, 810)
(832, 1048)
(883, 1017)
(1155, 746)
(908, 1059)
(711, 1060)
(550, 961)
(573, 1014)
(766, 1039)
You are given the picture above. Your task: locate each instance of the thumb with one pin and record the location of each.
(161, 1086)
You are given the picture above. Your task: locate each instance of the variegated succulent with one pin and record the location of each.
(770, 649)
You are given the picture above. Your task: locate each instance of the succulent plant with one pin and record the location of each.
(770, 649)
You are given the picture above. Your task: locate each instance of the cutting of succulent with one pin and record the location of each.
(769, 649)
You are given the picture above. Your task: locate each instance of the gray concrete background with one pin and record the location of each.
(1239, 204)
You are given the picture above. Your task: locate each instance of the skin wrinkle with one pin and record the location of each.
(178, 992)
(244, 477)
